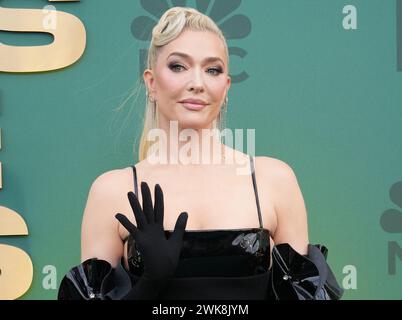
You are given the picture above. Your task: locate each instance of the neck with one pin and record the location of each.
(184, 146)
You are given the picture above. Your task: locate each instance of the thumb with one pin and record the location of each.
(179, 227)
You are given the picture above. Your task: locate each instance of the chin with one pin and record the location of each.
(193, 125)
(194, 121)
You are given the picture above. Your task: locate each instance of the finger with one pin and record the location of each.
(158, 208)
(127, 224)
(179, 227)
(138, 214)
(147, 202)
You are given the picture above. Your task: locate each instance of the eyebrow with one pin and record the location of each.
(186, 56)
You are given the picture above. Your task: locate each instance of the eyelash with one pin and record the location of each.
(174, 65)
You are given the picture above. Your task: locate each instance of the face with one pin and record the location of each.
(191, 67)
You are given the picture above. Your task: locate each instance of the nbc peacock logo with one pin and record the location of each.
(233, 25)
(391, 222)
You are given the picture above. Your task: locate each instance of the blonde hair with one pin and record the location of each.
(172, 23)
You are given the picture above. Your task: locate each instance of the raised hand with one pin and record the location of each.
(160, 255)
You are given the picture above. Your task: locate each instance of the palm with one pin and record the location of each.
(160, 254)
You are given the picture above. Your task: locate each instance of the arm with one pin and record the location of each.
(299, 269)
(291, 214)
(99, 232)
(95, 278)
(101, 246)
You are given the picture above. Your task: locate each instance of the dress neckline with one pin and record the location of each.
(223, 230)
(201, 231)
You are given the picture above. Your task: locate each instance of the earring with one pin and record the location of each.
(222, 115)
(152, 111)
(151, 99)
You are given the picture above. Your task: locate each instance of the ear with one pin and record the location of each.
(229, 81)
(149, 79)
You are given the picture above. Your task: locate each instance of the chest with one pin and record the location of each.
(219, 205)
(213, 200)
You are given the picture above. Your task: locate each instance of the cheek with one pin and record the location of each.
(217, 89)
(168, 83)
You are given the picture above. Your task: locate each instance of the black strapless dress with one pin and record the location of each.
(216, 264)
(242, 276)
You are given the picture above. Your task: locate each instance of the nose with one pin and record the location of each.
(196, 83)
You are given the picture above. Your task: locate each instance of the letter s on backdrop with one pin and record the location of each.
(68, 45)
(16, 269)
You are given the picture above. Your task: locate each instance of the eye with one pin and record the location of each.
(175, 67)
(215, 71)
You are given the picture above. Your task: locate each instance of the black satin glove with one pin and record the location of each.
(160, 255)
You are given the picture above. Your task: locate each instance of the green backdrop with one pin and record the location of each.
(323, 99)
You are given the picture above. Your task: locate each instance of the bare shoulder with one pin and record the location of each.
(276, 179)
(279, 177)
(111, 182)
(274, 168)
(113, 186)
(290, 210)
(107, 196)
(268, 172)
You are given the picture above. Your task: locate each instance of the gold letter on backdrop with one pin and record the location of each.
(16, 270)
(68, 46)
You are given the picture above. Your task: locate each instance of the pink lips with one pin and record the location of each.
(192, 104)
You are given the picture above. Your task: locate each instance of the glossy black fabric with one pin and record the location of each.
(216, 253)
(81, 283)
(95, 280)
(292, 277)
(217, 288)
(302, 277)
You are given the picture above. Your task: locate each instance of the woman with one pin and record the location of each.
(220, 245)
